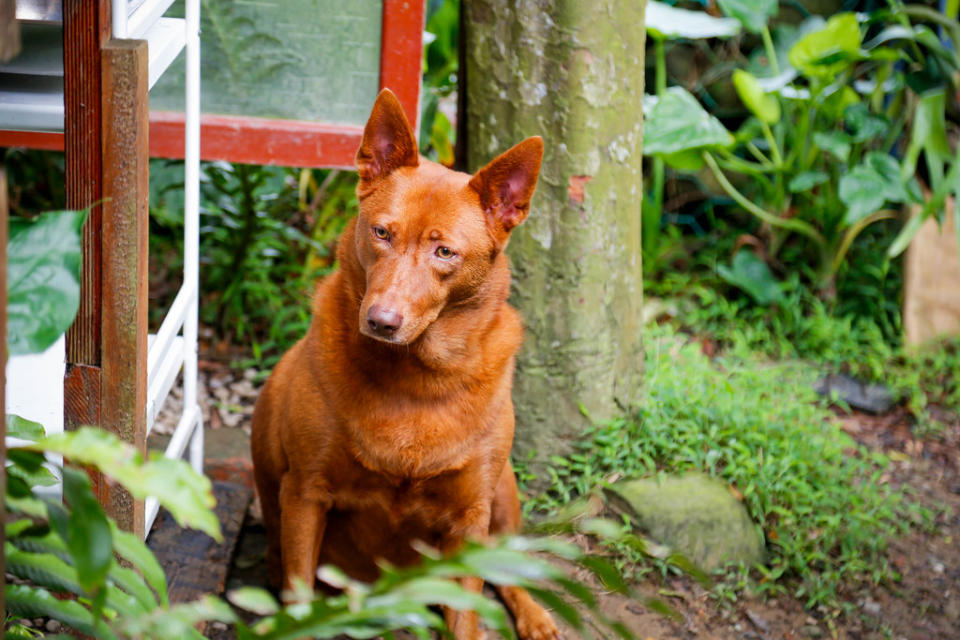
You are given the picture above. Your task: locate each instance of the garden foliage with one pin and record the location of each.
(835, 129)
(820, 500)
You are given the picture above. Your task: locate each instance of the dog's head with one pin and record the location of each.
(426, 236)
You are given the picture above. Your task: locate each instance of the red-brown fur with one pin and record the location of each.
(391, 420)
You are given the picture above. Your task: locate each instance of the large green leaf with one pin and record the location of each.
(22, 428)
(43, 279)
(88, 532)
(826, 52)
(870, 184)
(760, 103)
(675, 122)
(187, 495)
(665, 22)
(750, 273)
(753, 14)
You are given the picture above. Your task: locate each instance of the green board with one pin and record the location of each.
(313, 60)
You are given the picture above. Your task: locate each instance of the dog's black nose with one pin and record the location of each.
(384, 322)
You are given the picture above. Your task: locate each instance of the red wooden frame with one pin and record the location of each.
(286, 142)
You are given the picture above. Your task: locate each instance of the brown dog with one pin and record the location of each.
(391, 420)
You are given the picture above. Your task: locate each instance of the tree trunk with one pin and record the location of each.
(572, 72)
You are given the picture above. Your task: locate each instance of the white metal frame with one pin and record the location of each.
(174, 347)
(33, 381)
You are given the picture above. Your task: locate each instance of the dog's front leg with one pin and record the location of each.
(303, 518)
(475, 525)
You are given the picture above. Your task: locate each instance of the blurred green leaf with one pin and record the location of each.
(826, 52)
(837, 102)
(29, 602)
(259, 601)
(665, 21)
(760, 103)
(807, 180)
(28, 466)
(753, 14)
(88, 535)
(134, 550)
(929, 124)
(836, 143)
(863, 124)
(438, 591)
(43, 279)
(750, 273)
(870, 184)
(22, 428)
(185, 494)
(675, 122)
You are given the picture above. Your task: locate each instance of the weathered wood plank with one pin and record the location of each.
(196, 565)
(4, 206)
(86, 25)
(124, 228)
(9, 30)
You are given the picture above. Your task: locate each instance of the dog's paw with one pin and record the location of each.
(536, 624)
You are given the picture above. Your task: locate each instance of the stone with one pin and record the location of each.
(872, 398)
(693, 514)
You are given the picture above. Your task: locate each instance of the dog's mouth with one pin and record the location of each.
(389, 326)
(389, 339)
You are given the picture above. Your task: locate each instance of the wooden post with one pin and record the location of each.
(3, 367)
(9, 30)
(125, 224)
(105, 140)
(86, 25)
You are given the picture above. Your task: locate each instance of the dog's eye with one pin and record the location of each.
(444, 252)
(380, 232)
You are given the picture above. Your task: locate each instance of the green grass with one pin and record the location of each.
(806, 327)
(820, 499)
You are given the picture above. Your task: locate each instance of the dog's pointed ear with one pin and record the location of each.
(388, 141)
(506, 185)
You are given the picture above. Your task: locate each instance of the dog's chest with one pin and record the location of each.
(381, 508)
(419, 443)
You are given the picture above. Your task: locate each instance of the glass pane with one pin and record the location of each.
(314, 60)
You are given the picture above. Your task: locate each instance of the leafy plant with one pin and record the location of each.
(665, 23)
(440, 67)
(256, 270)
(43, 261)
(73, 548)
(816, 150)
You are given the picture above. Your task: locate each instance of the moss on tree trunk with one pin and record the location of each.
(572, 72)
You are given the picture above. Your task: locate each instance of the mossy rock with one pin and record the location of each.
(693, 514)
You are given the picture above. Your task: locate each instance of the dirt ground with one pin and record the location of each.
(924, 604)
